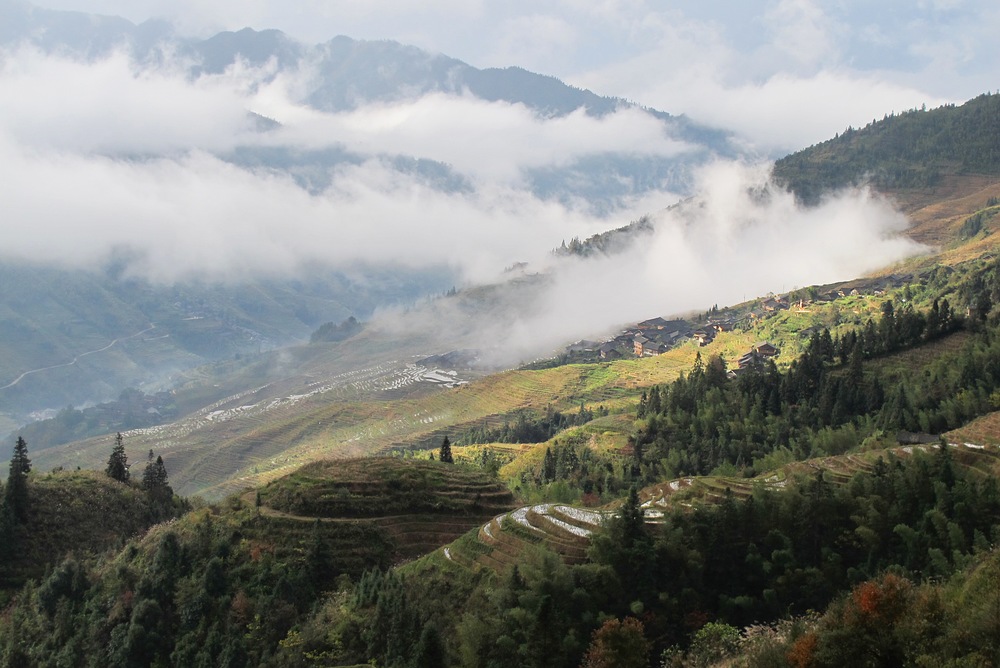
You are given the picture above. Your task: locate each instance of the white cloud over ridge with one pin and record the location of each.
(97, 158)
(740, 238)
(107, 161)
(701, 59)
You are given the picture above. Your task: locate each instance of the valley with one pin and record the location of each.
(348, 354)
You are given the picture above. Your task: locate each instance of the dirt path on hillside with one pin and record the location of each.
(77, 358)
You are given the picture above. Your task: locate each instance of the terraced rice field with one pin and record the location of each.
(984, 430)
(258, 435)
(248, 432)
(407, 507)
(500, 542)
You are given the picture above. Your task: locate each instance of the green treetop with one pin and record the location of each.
(445, 454)
(118, 461)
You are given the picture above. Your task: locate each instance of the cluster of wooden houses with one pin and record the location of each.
(654, 337)
(758, 352)
(658, 335)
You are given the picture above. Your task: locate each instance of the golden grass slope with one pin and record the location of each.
(236, 443)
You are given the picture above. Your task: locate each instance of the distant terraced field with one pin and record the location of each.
(262, 433)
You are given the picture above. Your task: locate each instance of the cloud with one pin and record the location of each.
(196, 216)
(742, 237)
(787, 113)
(106, 160)
(801, 31)
(112, 106)
(776, 114)
(146, 188)
(700, 59)
(493, 141)
(533, 39)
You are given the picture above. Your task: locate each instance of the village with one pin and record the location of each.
(656, 336)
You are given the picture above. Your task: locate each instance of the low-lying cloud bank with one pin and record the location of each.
(105, 161)
(741, 238)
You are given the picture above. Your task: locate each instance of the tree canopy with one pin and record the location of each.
(118, 461)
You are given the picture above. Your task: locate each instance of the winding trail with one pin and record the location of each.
(77, 358)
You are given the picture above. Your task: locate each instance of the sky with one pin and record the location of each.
(108, 161)
(783, 73)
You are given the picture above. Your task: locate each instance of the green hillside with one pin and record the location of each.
(912, 150)
(81, 512)
(257, 568)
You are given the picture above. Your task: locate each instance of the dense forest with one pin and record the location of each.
(528, 429)
(912, 149)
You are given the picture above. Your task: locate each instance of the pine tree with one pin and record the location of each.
(155, 475)
(445, 454)
(548, 467)
(317, 564)
(429, 652)
(157, 487)
(16, 492)
(118, 461)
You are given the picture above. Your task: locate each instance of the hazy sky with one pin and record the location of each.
(785, 73)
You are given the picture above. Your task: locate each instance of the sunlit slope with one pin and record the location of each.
(251, 438)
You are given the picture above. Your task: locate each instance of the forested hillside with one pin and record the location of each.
(909, 150)
(283, 576)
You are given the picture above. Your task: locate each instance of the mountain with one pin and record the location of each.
(377, 391)
(76, 337)
(914, 150)
(101, 332)
(344, 74)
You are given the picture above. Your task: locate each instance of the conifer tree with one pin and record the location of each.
(118, 461)
(16, 492)
(157, 487)
(429, 652)
(445, 454)
(317, 558)
(154, 476)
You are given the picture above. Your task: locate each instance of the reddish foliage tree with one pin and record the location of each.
(803, 651)
(618, 644)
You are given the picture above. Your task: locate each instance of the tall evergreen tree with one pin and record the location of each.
(118, 461)
(429, 652)
(154, 476)
(16, 492)
(445, 454)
